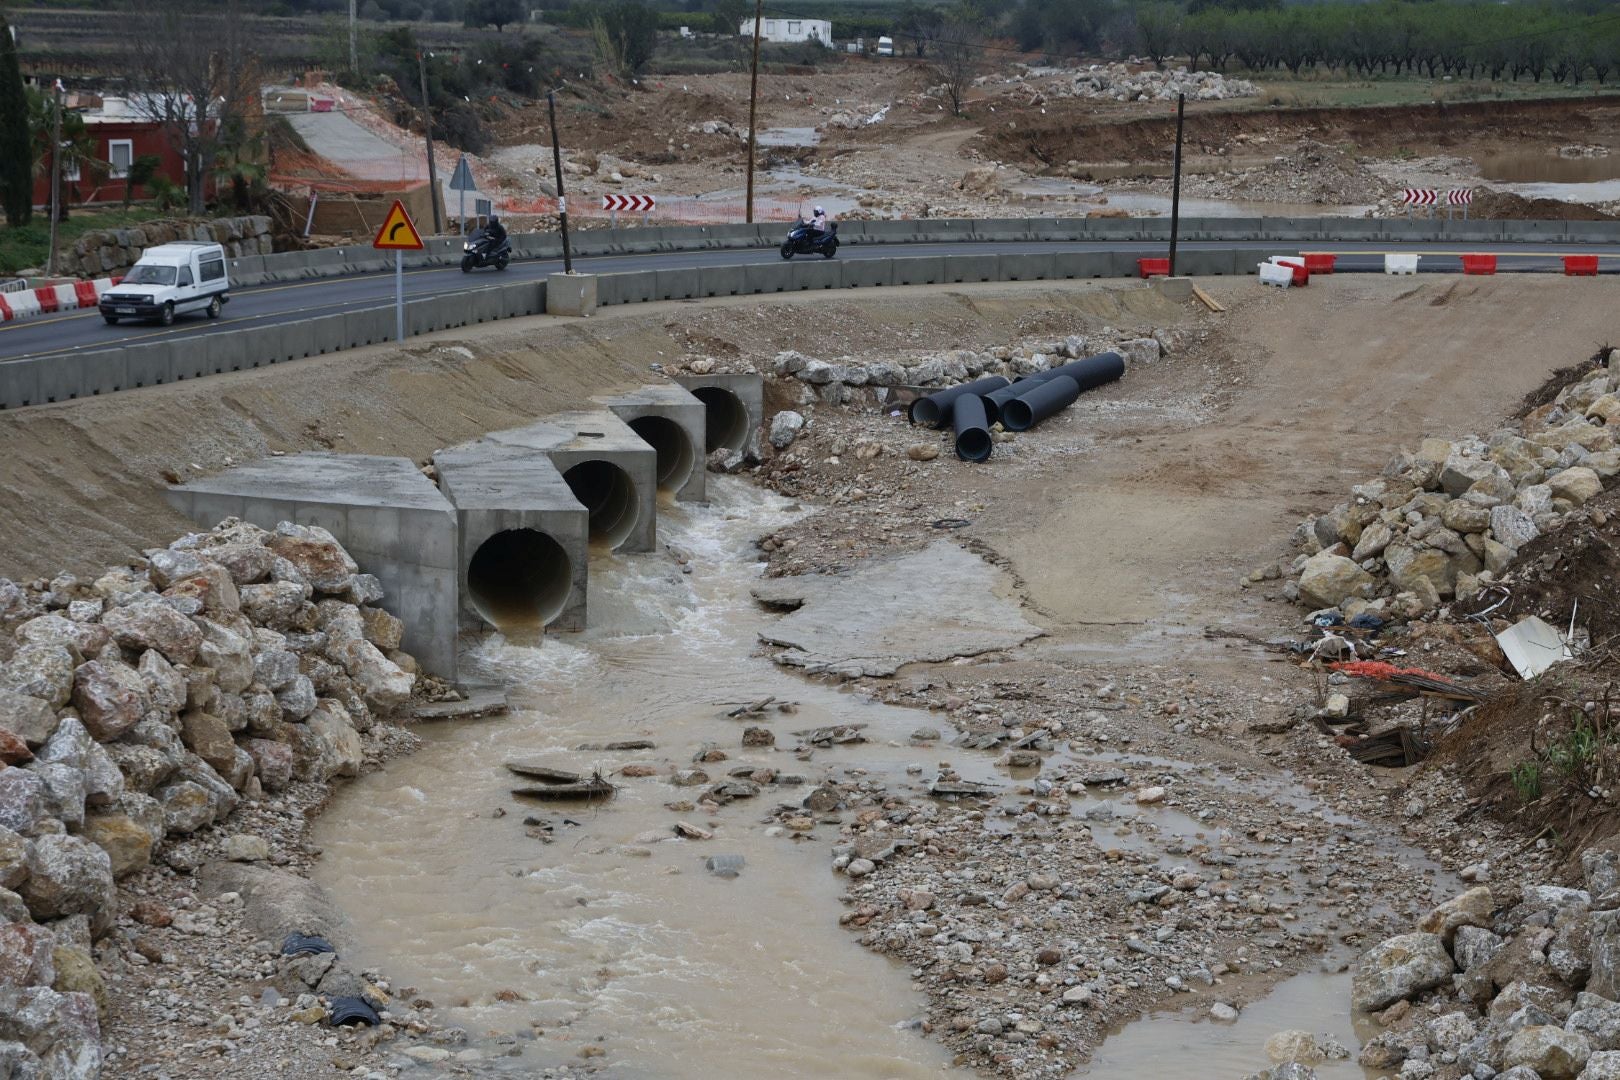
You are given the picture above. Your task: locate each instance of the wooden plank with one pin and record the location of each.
(1207, 300)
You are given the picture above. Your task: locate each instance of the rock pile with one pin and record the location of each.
(1515, 983)
(1119, 83)
(107, 251)
(1448, 520)
(145, 705)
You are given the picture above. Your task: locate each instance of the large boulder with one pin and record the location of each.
(110, 696)
(1575, 485)
(143, 767)
(187, 806)
(1420, 569)
(212, 589)
(785, 427)
(246, 563)
(42, 671)
(22, 799)
(229, 654)
(25, 956)
(1471, 908)
(128, 844)
(1399, 968)
(83, 639)
(209, 738)
(64, 792)
(273, 761)
(1554, 1054)
(326, 745)
(317, 555)
(29, 718)
(154, 625)
(69, 875)
(14, 853)
(1459, 473)
(165, 686)
(1328, 580)
(59, 1031)
(275, 603)
(1605, 977)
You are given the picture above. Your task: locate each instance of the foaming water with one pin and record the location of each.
(613, 935)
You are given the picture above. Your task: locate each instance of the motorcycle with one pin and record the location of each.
(482, 249)
(805, 239)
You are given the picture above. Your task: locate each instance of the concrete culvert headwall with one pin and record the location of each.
(676, 454)
(727, 419)
(519, 578)
(609, 494)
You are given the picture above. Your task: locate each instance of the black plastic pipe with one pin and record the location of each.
(1053, 395)
(935, 409)
(1093, 371)
(997, 400)
(973, 441)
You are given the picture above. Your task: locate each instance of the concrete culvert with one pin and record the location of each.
(676, 455)
(610, 495)
(519, 578)
(725, 418)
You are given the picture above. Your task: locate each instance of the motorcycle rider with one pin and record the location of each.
(819, 221)
(495, 231)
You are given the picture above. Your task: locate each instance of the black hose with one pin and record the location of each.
(935, 409)
(972, 432)
(1044, 399)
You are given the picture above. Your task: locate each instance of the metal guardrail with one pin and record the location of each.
(15, 285)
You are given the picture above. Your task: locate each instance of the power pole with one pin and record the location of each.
(427, 123)
(753, 105)
(354, 55)
(1175, 189)
(562, 199)
(56, 176)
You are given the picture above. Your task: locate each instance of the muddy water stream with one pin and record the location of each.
(614, 934)
(613, 937)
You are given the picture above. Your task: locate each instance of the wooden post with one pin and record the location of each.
(427, 121)
(753, 106)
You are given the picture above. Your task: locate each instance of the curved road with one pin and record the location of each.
(74, 331)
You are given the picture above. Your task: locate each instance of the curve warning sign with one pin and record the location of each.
(398, 232)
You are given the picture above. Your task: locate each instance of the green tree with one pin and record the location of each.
(728, 16)
(625, 35)
(77, 149)
(1158, 29)
(496, 13)
(142, 171)
(16, 154)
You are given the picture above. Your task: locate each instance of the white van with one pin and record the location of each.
(170, 280)
(885, 46)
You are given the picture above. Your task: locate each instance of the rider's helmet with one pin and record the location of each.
(493, 220)
(820, 211)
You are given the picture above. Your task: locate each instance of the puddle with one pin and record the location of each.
(789, 136)
(615, 931)
(1540, 169)
(1186, 1045)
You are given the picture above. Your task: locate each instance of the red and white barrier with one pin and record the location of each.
(53, 298)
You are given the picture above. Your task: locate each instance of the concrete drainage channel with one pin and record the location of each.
(504, 539)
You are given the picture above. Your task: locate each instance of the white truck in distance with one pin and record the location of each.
(170, 280)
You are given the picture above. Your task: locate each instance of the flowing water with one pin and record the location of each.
(615, 931)
(557, 928)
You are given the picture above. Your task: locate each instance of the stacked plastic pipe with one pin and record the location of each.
(970, 408)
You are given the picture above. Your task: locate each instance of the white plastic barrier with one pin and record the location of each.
(47, 298)
(23, 304)
(1276, 274)
(1401, 264)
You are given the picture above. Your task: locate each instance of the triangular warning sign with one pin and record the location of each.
(398, 233)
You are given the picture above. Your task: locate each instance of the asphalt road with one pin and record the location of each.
(74, 331)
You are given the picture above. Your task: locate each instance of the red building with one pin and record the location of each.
(120, 135)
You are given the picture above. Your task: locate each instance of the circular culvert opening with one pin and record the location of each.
(519, 578)
(1016, 415)
(675, 453)
(725, 419)
(973, 445)
(609, 494)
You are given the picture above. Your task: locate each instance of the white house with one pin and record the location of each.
(789, 31)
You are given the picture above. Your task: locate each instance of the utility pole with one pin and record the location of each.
(562, 199)
(427, 122)
(1175, 189)
(354, 54)
(753, 105)
(56, 176)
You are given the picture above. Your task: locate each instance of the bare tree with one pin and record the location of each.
(192, 73)
(958, 58)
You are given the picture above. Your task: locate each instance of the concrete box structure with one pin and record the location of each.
(670, 420)
(390, 517)
(606, 465)
(570, 294)
(735, 407)
(522, 538)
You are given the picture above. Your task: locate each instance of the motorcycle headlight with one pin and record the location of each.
(468, 246)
